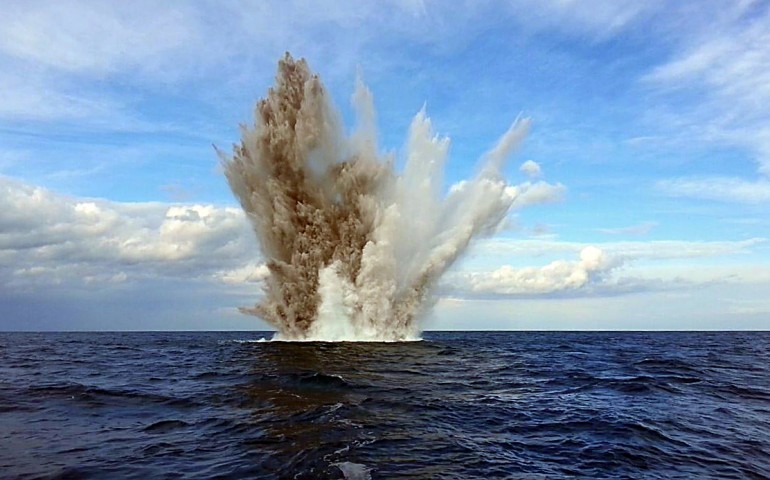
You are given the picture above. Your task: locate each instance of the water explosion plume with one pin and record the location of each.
(353, 248)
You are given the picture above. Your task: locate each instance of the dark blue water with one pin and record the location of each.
(458, 405)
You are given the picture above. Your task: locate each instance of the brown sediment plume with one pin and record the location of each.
(352, 248)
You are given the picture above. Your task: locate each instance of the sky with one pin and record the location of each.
(645, 177)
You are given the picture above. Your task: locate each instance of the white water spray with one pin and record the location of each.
(354, 249)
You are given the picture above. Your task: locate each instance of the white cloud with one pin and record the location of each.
(76, 60)
(51, 242)
(527, 193)
(725, 65)
(71, 47)
(557, 276)
(47, 238)
(531, 168)
(712, 306)
(251, 273)
(628, 251)
(59, 60)
(605, 269)
(679, 249)
(537, 193)
(639, 229)
(733, 63)
(98, 39)
(726, 189)
(601, 18)
(171, 41)
(30, 98)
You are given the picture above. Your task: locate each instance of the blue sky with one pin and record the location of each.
(650, 129)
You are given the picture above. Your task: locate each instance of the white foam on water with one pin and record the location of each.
(354, 471)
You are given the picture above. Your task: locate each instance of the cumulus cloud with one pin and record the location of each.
(51, 239)
(606, 269)
(531, 168)
(53, 243)
(250, 273)
(47, 238)
(592, 266)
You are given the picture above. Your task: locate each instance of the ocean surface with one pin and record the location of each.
(460, 405)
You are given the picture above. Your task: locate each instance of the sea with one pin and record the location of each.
(456, 405)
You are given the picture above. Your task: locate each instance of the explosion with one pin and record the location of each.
(353, 248)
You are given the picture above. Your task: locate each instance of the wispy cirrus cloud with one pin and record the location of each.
(33, 98)
(727, 189)
(600, 20)
(102, 39)
(643, 228)
(719, 80)
(653, 249)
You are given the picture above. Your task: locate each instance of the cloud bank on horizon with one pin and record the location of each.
(644, 186)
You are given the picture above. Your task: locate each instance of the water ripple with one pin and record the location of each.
(457, 405)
